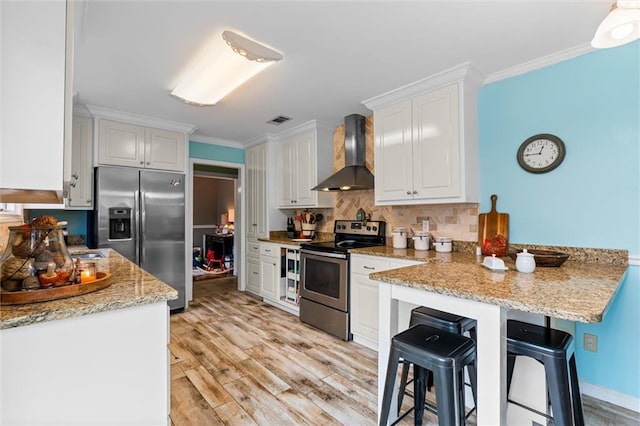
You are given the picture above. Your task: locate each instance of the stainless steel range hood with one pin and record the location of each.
(355, 175)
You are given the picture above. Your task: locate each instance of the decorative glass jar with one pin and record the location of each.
(35, 257)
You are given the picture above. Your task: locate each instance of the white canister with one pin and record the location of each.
(443, 244)
(421, 240)
(525, 262)
(399, 238)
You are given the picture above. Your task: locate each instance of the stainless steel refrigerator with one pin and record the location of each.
(140, 214)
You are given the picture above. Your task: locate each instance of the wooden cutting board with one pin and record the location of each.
(493, 231)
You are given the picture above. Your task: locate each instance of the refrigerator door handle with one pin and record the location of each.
(138, 232)
(143, 227)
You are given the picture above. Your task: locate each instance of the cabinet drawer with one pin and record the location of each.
(269, 250)
(253, 248)
(367, 265)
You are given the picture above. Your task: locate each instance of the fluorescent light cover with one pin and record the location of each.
(230, 61)
(622, 25)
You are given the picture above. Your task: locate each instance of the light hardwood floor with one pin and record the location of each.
(236, 360)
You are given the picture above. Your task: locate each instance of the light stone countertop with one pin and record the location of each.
(575, 291)
(130, 286)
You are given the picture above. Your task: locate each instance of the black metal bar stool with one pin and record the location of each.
(443, 353)
(442, 321)
(551, 348)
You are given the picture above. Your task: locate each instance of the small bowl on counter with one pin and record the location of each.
(544, 258)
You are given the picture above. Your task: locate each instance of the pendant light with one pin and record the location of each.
(622, 25)
(230, 61)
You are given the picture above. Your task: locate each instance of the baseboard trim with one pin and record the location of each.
(365, 341)
(610, 396)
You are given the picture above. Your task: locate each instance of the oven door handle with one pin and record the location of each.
(324, 254)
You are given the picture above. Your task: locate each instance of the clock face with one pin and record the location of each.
(541, 153)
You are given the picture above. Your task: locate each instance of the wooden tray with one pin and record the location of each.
(45, 294)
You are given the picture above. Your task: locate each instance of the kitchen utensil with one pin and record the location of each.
(493, 231)
(544, 257)
(525, 262)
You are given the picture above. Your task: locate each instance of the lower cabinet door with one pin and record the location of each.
(364, 307)
(269, 267)
(253, 275)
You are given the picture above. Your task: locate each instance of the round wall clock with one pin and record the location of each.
(541, 153)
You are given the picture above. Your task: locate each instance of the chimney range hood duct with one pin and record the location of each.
(354, 176)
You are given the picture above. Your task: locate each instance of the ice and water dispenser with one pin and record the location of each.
(119, 223)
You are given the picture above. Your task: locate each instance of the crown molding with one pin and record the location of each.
(538, 63)
(159, 123)
(215, 141)
(465, 72)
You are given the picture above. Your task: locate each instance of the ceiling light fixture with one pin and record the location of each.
(622, 25)
(230, 61)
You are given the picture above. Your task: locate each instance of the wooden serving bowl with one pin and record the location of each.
(543, 257)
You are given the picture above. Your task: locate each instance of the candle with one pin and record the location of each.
(87, 272)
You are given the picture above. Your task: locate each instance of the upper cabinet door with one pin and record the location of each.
(120, 144)
(305, 176)
(287, 168)
(436, 145)
(393, 156)
(33, 96)
(81, 181)
(164, 150)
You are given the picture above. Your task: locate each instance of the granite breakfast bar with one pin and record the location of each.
(96, 358)
(458, 283)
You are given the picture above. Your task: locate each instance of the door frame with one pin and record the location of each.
(238, 241)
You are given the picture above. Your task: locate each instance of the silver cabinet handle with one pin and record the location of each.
(415, 192)
(408, 192)
(267, 250)
(142, 163)
(72, 184)
(369, 267)
(255, 248)
(148, 163)
(75, 176)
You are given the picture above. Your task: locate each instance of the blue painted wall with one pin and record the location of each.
(207, 151)
(592, 103)
(77, 219)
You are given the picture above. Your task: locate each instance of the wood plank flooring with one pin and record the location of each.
(238, 361)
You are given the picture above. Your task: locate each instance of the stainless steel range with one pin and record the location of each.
(324, 289)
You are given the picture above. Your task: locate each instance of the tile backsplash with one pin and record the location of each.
(458, 221)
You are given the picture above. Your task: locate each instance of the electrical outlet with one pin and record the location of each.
(590, 342)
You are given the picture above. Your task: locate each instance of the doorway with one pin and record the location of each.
(214, 208)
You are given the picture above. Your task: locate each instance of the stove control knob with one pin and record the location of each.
(375, 228)
(368, 228)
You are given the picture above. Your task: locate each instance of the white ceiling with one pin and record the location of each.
(130, 54)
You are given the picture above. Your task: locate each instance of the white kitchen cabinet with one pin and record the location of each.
(125, 144)
(88, 370)
(426, 140)
(80, 193)
(364, 296)
(305, 156)
(253, 275)
(36, 45)
(269, 270)
(256, 198)
(256, 216)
